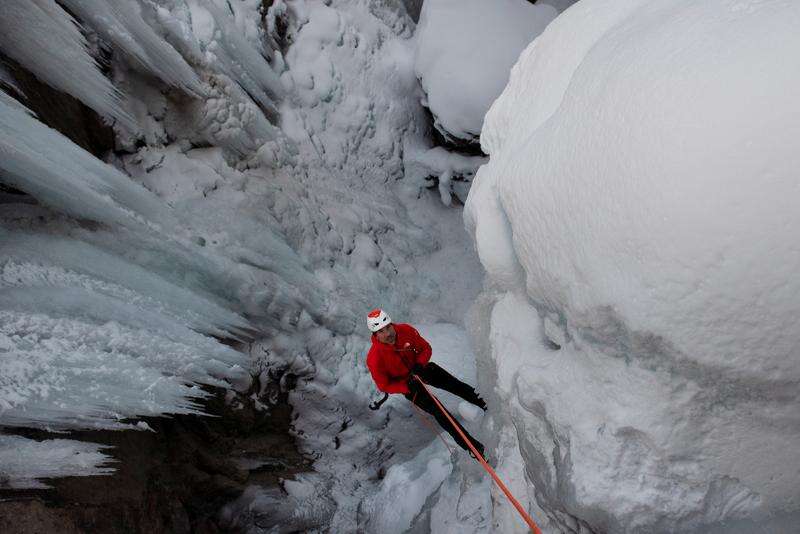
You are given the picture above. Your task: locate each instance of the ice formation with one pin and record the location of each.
(7, 79)
(241, 60)
(68, 177)
(120, 23)
(115, 275)
(464, 51)
(24, 461)
(636, 218)
(62, 59)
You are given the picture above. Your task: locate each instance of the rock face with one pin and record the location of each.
(173, 480)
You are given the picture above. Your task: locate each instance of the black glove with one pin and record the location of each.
(417, 369)
(412, 383)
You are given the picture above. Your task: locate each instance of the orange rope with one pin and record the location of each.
(525, 516)
(430, 425)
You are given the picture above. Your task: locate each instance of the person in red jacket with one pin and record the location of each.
(398, 353)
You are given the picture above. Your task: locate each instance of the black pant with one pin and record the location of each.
(435, 376)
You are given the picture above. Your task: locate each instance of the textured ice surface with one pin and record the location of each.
(464, 51)
(637, 212)
(88, 338)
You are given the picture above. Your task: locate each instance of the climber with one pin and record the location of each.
(398, 353)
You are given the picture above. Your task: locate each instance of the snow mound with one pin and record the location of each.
(465, 50)
(638, 212)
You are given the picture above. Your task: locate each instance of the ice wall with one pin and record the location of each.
(110, 301)
(77, 315)
(637, 223)
(209, 221)
(227, 70)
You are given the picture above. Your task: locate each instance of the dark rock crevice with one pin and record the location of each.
(175, 479)
(60, 111)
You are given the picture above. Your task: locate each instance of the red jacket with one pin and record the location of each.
(391, 365)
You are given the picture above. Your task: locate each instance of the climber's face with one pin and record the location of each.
(387, 334)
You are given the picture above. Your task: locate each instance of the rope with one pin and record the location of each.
(525, 516)
(430, 425)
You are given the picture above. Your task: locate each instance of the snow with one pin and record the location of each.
(405, 489)
(636, 212)
(464, 52)
(445, 166)
(24, 461)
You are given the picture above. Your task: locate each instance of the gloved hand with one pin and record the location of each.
(412, 383)
(417, 369)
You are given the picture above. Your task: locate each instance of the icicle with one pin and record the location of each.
(23, 461)
(68, 178)
(80, 349)
(64, 175)
(242, 62)
(43, 38)
(120, 22)
(6, 99)
(60, 372)
(7, 79)
(56, 261)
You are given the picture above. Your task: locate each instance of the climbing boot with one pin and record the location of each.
(473, 398)
(479, 446)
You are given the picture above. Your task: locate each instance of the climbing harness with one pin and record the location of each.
(525, 516)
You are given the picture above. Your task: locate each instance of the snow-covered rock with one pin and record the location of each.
(464, 52)
(640, 197)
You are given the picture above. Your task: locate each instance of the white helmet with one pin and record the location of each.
(377, 319)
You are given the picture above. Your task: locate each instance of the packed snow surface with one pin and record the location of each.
(638, 219)
(464, 51)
